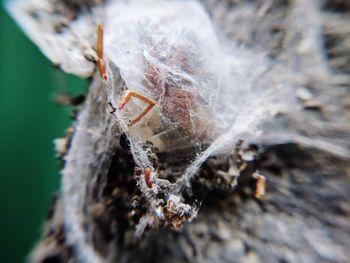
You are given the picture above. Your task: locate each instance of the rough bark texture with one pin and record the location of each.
(305, 216)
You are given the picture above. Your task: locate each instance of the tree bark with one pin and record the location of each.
(305, 215)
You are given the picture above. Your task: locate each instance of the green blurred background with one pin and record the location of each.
(29, 122)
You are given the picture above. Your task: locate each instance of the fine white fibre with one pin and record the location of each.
(209, 92)
(167, 52)
(170, 52)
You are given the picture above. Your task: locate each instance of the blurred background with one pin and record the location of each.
(29, 121)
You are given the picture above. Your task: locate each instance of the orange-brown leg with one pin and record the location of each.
(99, 51)
(260, 188)
(127, 97)
(148, 177)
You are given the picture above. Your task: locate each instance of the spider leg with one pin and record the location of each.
(99, 51)
(148, 177)
(260, 188)
(127, 97)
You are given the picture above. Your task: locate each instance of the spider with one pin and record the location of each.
(129, 93)
(179, 105)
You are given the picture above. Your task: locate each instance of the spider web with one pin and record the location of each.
(209, 93)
